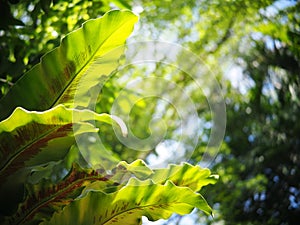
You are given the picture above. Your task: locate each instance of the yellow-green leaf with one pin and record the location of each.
(129, 204)
(84, 59)
(31, 138)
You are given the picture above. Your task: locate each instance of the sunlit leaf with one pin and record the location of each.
(185, 175)
(46, 197)
(30, 138)
(83, 60)
(129, 204)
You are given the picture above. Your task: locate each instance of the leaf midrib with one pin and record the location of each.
(141, 207)
(23, 148)
(47, 201)
(87, 62)
(14, 156)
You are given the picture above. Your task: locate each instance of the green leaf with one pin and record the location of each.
(185, 175)
(45, 197)
(129, 204)
(30, 138)
(138, 168)
(83, 60)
